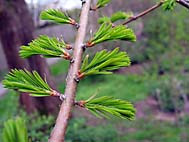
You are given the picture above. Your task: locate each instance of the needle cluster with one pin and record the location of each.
(108, 33)
(48, 47)
(108, 106)
(25, 81)
(104, 62)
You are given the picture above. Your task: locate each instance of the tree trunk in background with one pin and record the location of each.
(17, 28)
(9, 36)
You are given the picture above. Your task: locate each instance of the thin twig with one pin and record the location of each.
(58, 133)
(143, 13)
(183, 3)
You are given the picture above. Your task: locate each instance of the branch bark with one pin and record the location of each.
(143, 13)
(183, 3)
(58, 133)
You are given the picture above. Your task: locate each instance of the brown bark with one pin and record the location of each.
(17, 29)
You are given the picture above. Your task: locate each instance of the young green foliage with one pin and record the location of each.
(169, 4)
(104, 19)
(57, 16)
(24, 81)
(108, 106)
(15, 131)
(48, 47)
(102, 3)
(120, 16)
(108, 33)
(115, 17)
(104, 62)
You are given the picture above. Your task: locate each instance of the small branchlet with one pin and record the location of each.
(100, 4)
(48, 47)
(184, 3)
(108, 33)
(103, 63)
(108, 106)
(115, 17)
(57, 16)
(25, 81)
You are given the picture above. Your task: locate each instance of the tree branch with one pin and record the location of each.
(183, 3)
(143, 13)
(58, 133)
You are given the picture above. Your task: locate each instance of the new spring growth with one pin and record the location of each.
(108, 33)
(47, 47)
(67, 46)
(100, 4)
(115, 17)
(103, 62)
(108, 106)
(58, 16)
(31, 82)
(15, 131)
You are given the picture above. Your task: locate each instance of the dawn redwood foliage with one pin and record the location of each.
(103, 62)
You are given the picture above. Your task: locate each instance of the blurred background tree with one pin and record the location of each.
(17, 29)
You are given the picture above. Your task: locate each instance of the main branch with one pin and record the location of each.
(183, 3)
(58, 133)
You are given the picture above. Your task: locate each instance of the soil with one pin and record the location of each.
(150, 107)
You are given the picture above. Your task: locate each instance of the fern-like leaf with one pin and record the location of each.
(57, 16)
(115, 17)
(108, 106)
(120, 16)
(25, 81)
(48, 47)
(104, 62)
(15, 131)
(169, 4)
(108, 33)
(102, 3)
(104, 19)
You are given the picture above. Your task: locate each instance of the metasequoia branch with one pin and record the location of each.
(58, 133)
(183, 3)
(144, 13)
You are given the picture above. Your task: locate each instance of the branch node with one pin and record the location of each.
(77, 79)
(71, 60)
(69, 47)
(80, 103)
(77, 25)
(84, 46)
(93, 8)
(62, 97)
